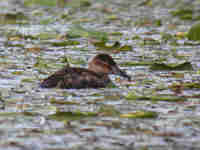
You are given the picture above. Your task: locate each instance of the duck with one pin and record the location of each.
(95, 76)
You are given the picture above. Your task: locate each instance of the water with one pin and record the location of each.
(27, 57)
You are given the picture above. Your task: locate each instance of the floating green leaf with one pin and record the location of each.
(125, 48)
(131, 63)
(167, 36)
(108, 110)
(30, 80)
(70, 116)
(116, 33)
(116, 46)
(172, 66)
(145, 3)
(65, 43)
(50, 3)
(40, 63)
(17, 72)
(194, 32)
(46, 36)
(62, 102)
(13, 18)
(136, 37)
(19, 90)
(11, 44)
(74, 3)
(14, 114)
(158, 22)
(140, 114)
(79, 31)
(187, 85)
(9, 114)
(46, 21)
(170, 98)
(71, 60)
(185, 14)
(150, 41)
(23, 36)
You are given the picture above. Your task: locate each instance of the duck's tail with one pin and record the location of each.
(50, 82)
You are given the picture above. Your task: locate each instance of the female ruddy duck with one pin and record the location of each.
(96, 76)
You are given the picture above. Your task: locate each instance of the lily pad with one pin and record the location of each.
(151, 41)
(13, 44)
(131, 63)
(74, 3)
(40, 63)
(146, 3)
(140, 114)
(169, 98)
(65, 43)
(46, 21)
(108, 110)
(78, 31)
(15, 36)
(187, 85)
(167, 36)
(184, 14)
(70, 116)
(70, 60)
(172, 66)
(116, 46)
(49, 3)
(62, 102)
(14, 114)
(17, 72)
(13, 18)
(116, 33)
(46, 36)
(194, 32)
(28, 80)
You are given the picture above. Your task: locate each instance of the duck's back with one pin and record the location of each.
(75, 78)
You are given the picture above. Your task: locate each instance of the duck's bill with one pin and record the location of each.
(123, 74)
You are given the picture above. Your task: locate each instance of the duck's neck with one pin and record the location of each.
(96, 69)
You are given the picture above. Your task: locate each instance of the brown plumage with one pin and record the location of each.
(96, 76)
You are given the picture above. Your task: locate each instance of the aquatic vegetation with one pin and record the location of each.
(194, 32)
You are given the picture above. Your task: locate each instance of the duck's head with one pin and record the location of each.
(104, 64)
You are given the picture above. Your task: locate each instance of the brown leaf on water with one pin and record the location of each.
(17, 72)
(34, 49)
(160, 133)
(15, 38)
(109, 124)
(87, 129)
(170, 133)
(177, 75)
(181, 34)
(185, 85)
